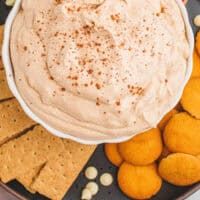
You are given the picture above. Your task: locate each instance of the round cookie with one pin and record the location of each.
(139, 182)
(112, 154)
(191, 97)
(180, 169)
(143, 149)
(182, 134)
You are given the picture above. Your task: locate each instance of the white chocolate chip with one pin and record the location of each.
(106, 179)
(10, 2)
(197, 20)
(86, 194)
(93, 187)
(91, 173)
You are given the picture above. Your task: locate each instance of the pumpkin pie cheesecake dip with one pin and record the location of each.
(99, 69)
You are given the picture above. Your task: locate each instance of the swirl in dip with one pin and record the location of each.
(99, 69)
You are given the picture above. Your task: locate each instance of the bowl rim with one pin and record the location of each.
(11, 80)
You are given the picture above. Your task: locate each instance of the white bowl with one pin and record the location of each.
(13, 88)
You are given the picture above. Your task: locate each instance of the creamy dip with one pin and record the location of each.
(99, 69)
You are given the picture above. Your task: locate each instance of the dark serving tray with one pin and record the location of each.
(15, 191)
